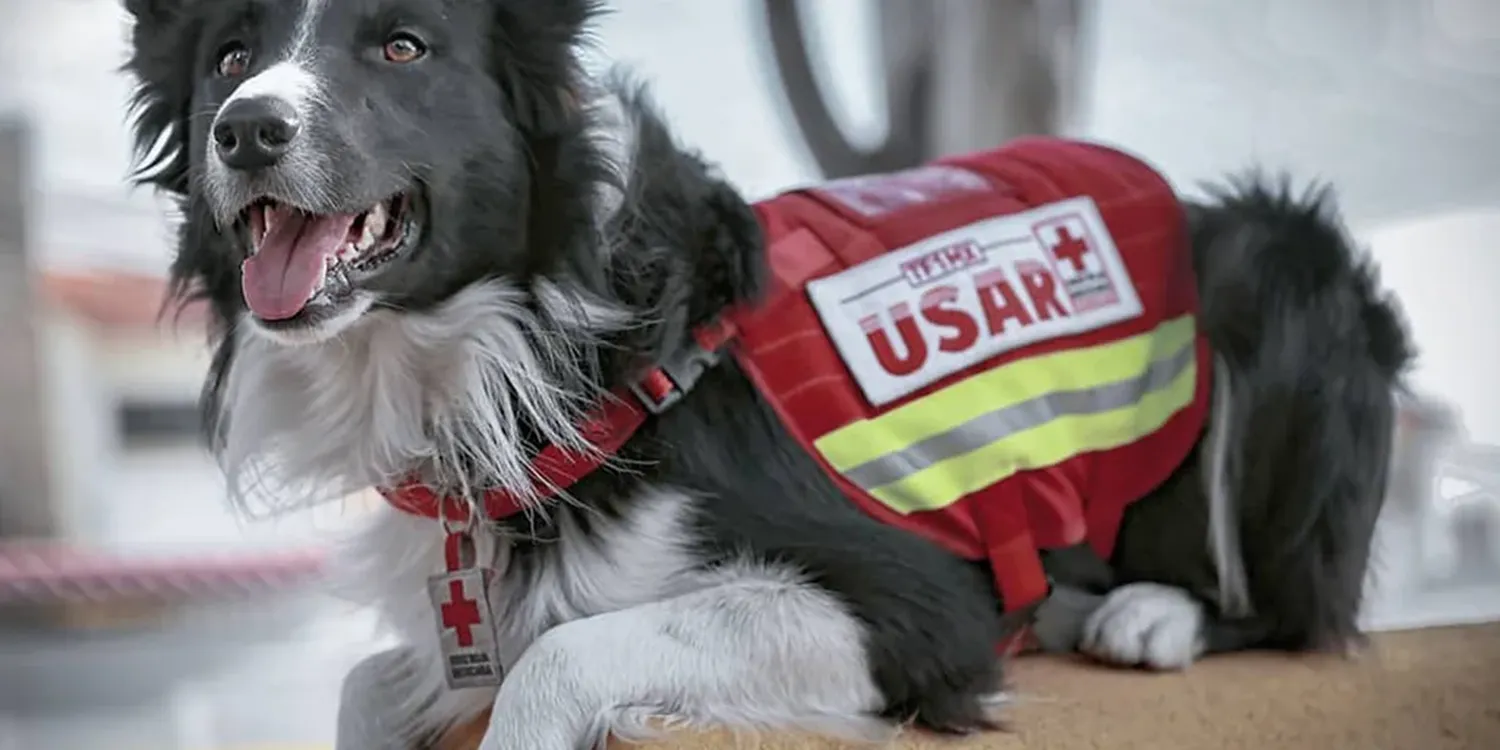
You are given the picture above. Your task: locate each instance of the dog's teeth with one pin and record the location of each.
(270, 221)
(367, 237)
(257, 233)
(375, 222)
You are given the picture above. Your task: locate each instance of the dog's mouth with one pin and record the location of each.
(298, 257)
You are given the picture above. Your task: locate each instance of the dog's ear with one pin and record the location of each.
(163, 36)
(536, 45)
(730, 266)
(153, 11)
(692, 246)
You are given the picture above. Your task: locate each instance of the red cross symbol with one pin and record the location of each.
(461, 613)
(1069, 248)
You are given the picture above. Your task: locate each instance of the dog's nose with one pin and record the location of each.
(255, 133)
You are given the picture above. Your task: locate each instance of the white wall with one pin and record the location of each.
(1447, 269)
(151, 366)
(80, 428)
(1395, 102)
(58, 65)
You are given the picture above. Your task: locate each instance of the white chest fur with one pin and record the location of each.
(445, 390)
(570, 574)
(450, 388)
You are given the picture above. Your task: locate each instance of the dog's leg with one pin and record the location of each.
(1139, 624)
(1149, 625)
(1313, 353)
(1182, 598)
(370, 702)
(758, 653)
(1163, 626)
(1261, 540)
(1079, 581)
(1173, 603)
(1060, 620)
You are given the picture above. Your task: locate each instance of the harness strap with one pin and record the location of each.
(606, 429)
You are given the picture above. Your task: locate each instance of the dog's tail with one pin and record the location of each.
(1309, 356)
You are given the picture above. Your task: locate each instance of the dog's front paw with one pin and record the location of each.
(1146, 625)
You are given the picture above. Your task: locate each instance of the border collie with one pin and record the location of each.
(431, 243)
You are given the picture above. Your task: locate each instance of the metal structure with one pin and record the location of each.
(43, 574)
(25, 436)
(959, 75)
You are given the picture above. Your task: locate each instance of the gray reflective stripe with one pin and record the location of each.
(1002, 423)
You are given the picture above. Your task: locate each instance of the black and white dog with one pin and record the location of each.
(430, 243)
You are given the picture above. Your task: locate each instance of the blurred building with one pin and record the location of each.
(1396, 102)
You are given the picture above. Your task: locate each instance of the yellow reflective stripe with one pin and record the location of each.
(945, 482)
(1016, 383)
(1002, 423)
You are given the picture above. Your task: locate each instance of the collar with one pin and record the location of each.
(607, 428)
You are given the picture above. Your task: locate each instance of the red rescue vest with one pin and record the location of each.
(996, 351)
(993, 248)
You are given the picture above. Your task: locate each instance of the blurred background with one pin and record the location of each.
(136, 612)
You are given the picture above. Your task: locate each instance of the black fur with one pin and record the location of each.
(1316, 352)
(686, 246)
(501, 148)
(931, 624)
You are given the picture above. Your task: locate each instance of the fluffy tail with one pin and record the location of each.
(1310, 355)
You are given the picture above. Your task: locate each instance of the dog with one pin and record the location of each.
(431, 244)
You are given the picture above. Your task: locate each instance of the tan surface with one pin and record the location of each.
(1424, 690)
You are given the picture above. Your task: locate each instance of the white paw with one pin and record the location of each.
(1146, 624)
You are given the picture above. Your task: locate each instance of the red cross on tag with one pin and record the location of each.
(1069, 249)
(1082, 257)
(461, 613)
(466, 624)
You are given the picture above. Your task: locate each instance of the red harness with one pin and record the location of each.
(842, 225)
(607, 428)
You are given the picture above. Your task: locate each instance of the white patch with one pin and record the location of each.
(292, 79)
(289, 81)
(913, 316)
(1223, 511)
(1146, 624)
(398, 391)
(614, 130)
(346, 316)
(608, 628)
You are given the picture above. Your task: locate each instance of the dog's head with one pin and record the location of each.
(415, 214)
(340, 155)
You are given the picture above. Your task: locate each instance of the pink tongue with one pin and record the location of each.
(284, 273)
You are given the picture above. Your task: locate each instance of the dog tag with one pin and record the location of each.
(466, 624)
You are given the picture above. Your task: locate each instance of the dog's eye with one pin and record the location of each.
(234, 60)
(404, 47)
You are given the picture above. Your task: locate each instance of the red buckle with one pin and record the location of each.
(657, 391)
(664, 385)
